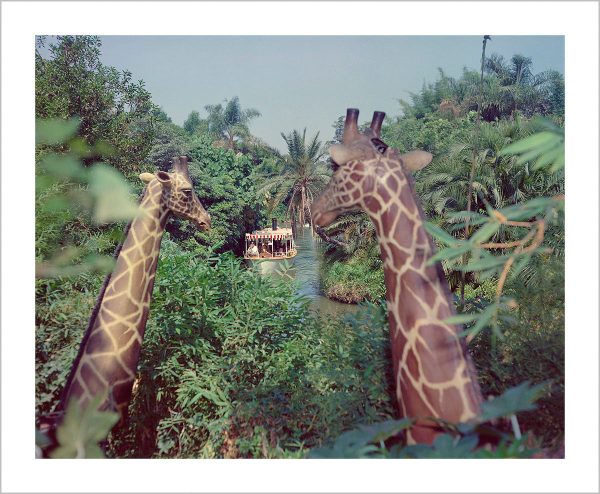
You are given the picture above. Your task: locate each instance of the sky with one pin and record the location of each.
(306, 81)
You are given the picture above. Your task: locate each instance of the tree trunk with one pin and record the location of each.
(328, 239)
(473, 164)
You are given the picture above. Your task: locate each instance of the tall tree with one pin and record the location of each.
(304, 176)
(72, 82)
(229, 123)
(160, 115)
(191, 122)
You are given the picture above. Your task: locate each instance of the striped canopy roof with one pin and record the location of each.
(279, 234)
(273, 236)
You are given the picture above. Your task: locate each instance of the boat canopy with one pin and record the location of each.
(279, 234)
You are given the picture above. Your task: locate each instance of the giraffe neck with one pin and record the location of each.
(110, 350)
(434, 376)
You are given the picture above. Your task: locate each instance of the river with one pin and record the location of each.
(306, 268)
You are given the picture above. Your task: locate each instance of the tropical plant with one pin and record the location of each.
(235, 365)
(525, 224)
(463, 440)
(500, 179)
(507, 87)
(229, 124)
(69, 195)
(169, 140)
(111, 108)
(193, 123)
(304, 175)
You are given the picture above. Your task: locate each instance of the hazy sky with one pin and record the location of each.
(305, 81)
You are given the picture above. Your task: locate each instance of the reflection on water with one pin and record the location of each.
(305, 270)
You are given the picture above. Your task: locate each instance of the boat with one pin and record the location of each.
(270, 244)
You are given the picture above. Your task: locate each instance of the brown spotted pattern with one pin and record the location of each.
(433, 371)
(107, 362)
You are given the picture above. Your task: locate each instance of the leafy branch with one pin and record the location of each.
(79, 432)
(65, 188)
(523, 226)
(457, 440)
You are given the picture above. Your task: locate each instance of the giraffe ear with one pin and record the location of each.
(147, 177)
(415, 160)
(343, 154)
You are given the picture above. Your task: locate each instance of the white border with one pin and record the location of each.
(576, 20)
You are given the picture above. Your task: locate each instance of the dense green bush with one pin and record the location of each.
(63, 308)
(235, 365)
(532, 349)
(73, 82)
(355, 280)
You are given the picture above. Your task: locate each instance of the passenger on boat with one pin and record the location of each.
(253, 250)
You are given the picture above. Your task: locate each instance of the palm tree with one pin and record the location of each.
(352, 232)
(499, 180)
(513, 86)
(229, 124)
(496, 181)
(303, 176)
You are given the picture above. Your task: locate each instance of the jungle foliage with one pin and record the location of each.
(502, 248)
(234, 364)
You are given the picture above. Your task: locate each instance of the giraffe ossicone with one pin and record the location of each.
(434, 374)
(108, 356)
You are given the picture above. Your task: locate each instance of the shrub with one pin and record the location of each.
(235, 365)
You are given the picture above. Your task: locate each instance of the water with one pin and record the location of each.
(306, 268)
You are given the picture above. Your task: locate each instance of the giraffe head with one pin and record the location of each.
(367, 173)
(178, 194)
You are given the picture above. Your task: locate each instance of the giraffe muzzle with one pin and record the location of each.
(322, 217)
(203, 224)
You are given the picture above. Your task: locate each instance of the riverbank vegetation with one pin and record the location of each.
(235, 364)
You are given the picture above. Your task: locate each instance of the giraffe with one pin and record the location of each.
(434, 375)
(108, 356)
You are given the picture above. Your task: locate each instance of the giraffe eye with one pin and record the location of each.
(187, 192)
(334, 166)
(379, 145)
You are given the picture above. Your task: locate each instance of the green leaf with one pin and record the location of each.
(56, 203)
(79, 147)
(103, 148)
(518, 399)
(82, 429)
(527, 210)
(112, 194)
(438, 233)
(357, 443)
(559, 163)
(534, 141)
(449, 253)
(520, 265)
(556, 156)
(461, 318)
(63, 166)
(547, 146)
(484, 233)
(55, 131)
(529, 155)
(381, 431)
(483, 264)
(482, 320)
(445, 446)
(470, 215)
